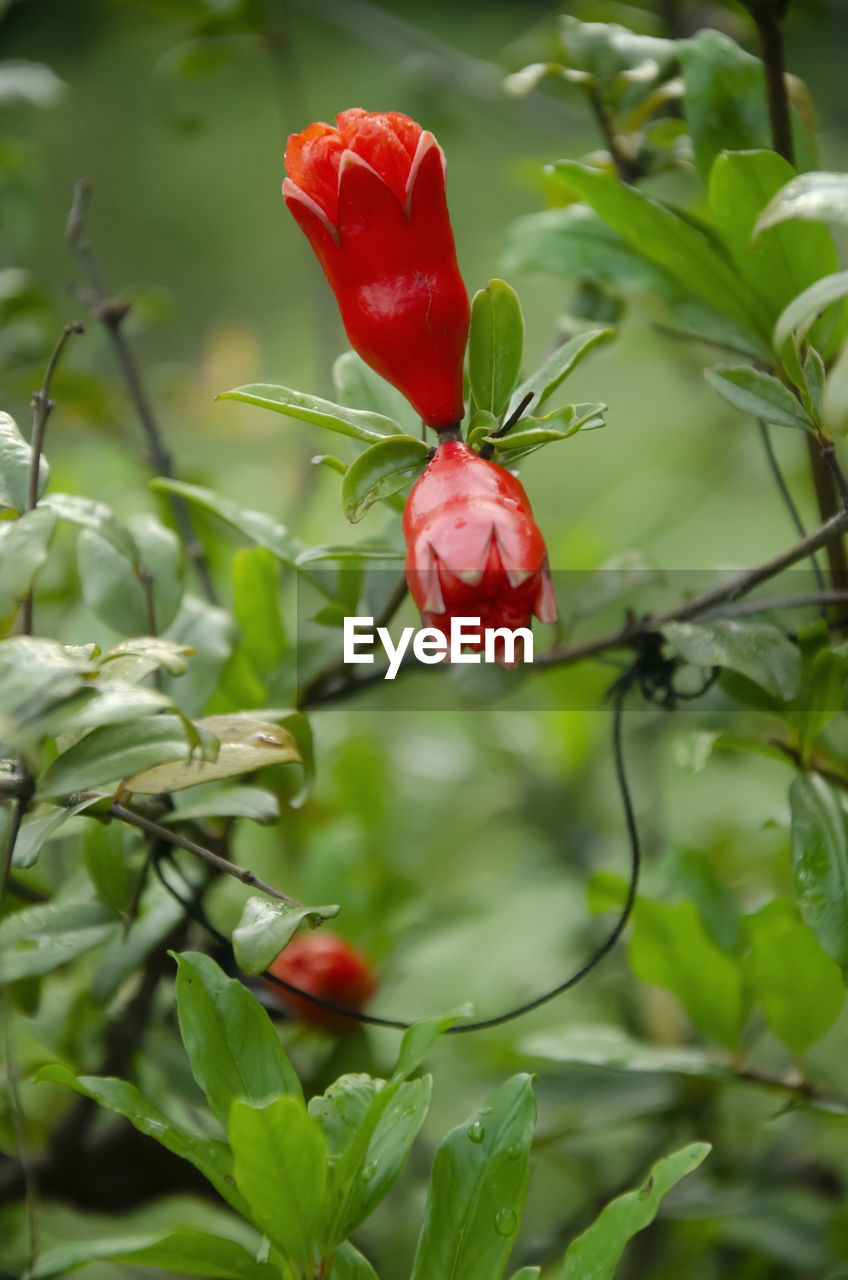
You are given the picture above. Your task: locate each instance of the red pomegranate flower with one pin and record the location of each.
(327, 966)
(370, 196)
(473, 547)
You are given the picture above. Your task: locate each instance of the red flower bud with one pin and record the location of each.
(324, 965)
(370, 197)
(473, 547)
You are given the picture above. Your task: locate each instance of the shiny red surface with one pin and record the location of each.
(473, 547)
(325, 965)
(369, 194)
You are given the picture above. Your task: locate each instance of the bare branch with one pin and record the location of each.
(111, 313)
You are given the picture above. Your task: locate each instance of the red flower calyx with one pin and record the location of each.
(324, 965)
(369, 194)
(473, 547)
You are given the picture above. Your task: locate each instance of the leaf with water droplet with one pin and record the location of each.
(477, 1185)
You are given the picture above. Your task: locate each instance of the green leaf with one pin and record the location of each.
(669, 240)
(189, 1252)
(281, 1169)
(798, 985)
(820, 862)
(757, 650)
(759, 394)
(477, 1188)
(39, 939)
(359, 387)
(266, 927)
(226, 802)
(550, 375)
(724, 99)
(260, 528)
(256, 604)
(361, 424)
(230, 1040)
(785, 259)
(40, 825)
(23, 550)
(211, 634)
(124, 955)
(530, 434)
(378, 472)
(245, 741)
(420, 1038)
(670, 948)
(15, 465)
(108, 702)
(822, 696)
(111, 590)
(370, 1127)
(199, 1253)
(103, 851)
(108, 755)
(804, 310)
(495, 346)
(614, 1050)
(96, 516)
(349, 1264)
(209, 1155)
(815, 197)
(370, 550)
(595, 1254)
(134, 660)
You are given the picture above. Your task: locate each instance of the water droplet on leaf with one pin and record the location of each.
(476, 1132)
(368, 1170)
(506, 1220)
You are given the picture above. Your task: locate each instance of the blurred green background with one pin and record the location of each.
(459, 844)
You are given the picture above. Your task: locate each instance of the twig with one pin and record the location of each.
(626, 169)
(214, 859)
(111, 314)
(788, 500)
(828, 452)
(733, 590)
(42, 407)
(801, 600)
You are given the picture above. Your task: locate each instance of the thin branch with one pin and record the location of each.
(214, 859)
(42, 407)
(774, 65)
(728, 591)
(111, 314)
(626, 170)
(788, 500)
(801, 600)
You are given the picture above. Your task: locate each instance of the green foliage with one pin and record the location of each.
(595, 1254)
(477, 1188)
(799, 986)
(382, 470)
(266, 927)
(820, 862)
(495, 346)
(166, 676)
(759, 394)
